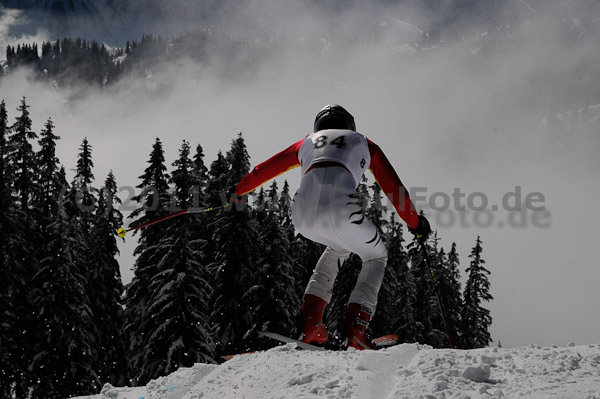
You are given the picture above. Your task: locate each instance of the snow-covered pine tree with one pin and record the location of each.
(107, 288)
(63, 354)
(80, 207)
(475, 319)
(217, 182)
(437, 336)
(386, 312)
(259, 205)
(273, 200)
(20, 262)
(424, 305)
(22, 156)
(63, 364)
(83, 201)
(154, 200)
(284, 212)
(7, 335)
(177, 334)
(452, 291)
(377, 211)
(233, 266)
(303, 253)
(199, 178)
(406, 327)
(50, 189)
(13, 276)
(274, 299)
(216, 186)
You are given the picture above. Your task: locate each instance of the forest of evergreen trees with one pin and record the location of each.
(204, 283)
(70, 62)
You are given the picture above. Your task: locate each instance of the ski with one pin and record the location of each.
(229, 357)
(287, 340)
(384, 341)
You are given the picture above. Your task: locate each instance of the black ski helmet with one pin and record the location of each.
(334, 116)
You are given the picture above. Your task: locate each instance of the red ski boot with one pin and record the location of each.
(356, 323)
(312, 310)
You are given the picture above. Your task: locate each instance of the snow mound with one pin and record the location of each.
(406, 371)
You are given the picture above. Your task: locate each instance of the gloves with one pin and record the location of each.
(423, 229)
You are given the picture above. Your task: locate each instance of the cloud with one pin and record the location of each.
(15, 29)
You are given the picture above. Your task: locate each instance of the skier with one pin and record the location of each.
(326, 209)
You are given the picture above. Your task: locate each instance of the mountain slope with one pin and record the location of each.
(406, 371)
(109, 21)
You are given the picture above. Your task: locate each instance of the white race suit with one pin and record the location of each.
(327, 209)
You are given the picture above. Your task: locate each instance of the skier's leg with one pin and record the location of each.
(323, 277)
(362, 302)
(308, 220)
(368, 283)
(318, 294)
(360, 236)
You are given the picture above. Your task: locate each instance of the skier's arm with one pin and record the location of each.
(271, 168)
(390, 184)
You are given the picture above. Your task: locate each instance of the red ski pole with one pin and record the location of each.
(122, 232)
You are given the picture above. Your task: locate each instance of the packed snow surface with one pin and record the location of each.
(403, 371)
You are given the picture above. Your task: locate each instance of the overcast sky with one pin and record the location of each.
(445, 121)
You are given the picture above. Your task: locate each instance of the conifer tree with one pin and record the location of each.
(20, 262)
(83, 201)
(154, 200)
(217, 183)
(22, 156)
(107, 288)
(81, 206)
(214, 195)
(451, 290)
(233, 265)
(475, 319)
(182, 179)
(63, 354)
(275, 301)
(13, 279)
(304, 253)
(199, 179)
(437, 336)
(177, 331)
(259, 205)
(49, 181)
(424, 305)
(284, 211)
(384, 319)
(406, 327)
(376, 210)
(63, 364)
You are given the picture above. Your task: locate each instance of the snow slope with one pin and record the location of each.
(404, 371)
